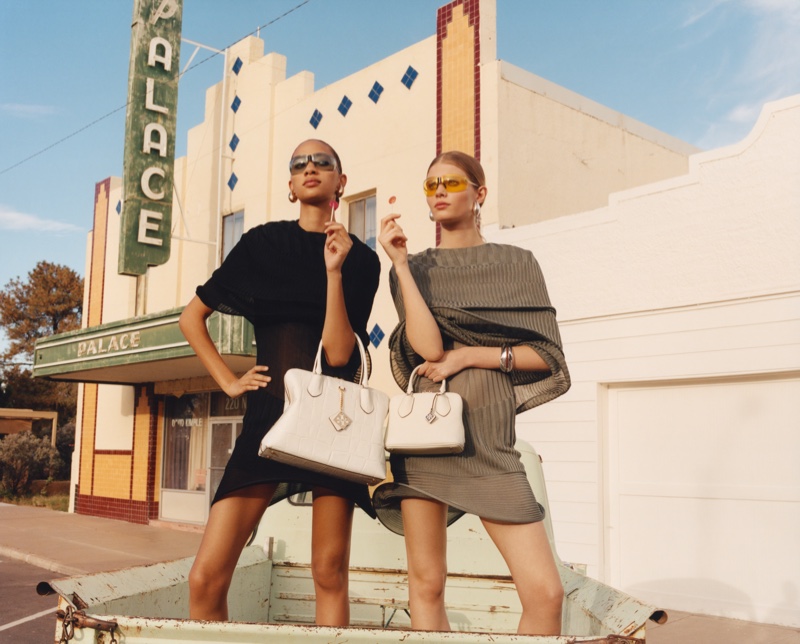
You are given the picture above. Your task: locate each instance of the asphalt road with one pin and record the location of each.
(25, 617)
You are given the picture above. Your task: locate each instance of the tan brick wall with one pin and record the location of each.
(141, 438)
(88, 428)
(458, 84)
(112, 476)
(159, 448)
(95, 314)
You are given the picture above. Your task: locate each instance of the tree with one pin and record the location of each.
(49, 302)
(23, 458)
(20, 390)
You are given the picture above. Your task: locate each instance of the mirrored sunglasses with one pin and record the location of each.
(451, 183)
(321, 161)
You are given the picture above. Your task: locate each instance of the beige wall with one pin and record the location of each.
(560, 153)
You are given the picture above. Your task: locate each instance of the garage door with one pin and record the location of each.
(702, 508)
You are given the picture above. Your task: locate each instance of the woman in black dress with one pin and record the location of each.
(478, 315)
(298, 282)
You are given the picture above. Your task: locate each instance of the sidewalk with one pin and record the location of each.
(72, 544)
(75, 544)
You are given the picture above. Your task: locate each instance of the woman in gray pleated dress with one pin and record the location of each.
(477, 314)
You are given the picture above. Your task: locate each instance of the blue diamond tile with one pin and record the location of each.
(236, 103)
(316, 117)
(234, 143)
(376, 336)
(344, 106)
(119, 207)
(375, 92)
(233, 181)
(237, 66)
(409, 77)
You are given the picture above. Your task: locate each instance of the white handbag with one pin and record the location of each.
(330, 425)
(425, 423)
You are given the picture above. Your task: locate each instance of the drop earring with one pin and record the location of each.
(430, 216)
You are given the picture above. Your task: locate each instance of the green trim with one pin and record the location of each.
(146, 339)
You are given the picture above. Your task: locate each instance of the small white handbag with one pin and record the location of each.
(425, 423)
(330, 425)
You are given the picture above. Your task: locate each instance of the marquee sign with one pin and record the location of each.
(148, 167)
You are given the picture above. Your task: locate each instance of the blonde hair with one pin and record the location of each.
(469, 164)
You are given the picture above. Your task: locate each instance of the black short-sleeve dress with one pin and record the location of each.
(276, 278)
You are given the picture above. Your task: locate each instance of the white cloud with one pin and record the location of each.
(22, 110)
(771, 67)
(13, 220)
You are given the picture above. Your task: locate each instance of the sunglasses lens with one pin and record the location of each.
(321, 161)
(298, 164)
(451, 183)
(454, 184)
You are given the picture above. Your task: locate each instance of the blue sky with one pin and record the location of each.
(699, 70)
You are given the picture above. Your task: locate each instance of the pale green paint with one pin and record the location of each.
(152, 20)
(156, 337)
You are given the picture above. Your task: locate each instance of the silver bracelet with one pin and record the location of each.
(506, 359)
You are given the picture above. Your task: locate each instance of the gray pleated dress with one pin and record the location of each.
(487, 479)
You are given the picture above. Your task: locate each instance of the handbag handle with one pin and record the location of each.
(315, 384)
(364, 382)
(413, 377)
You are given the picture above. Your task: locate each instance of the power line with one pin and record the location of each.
(122, 107)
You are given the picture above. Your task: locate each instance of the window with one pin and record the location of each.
(232, 228)
(185, 442)
(362, 220)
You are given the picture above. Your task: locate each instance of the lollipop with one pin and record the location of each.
(392, 199)
(334, 205)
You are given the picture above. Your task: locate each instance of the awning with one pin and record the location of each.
(145, 349)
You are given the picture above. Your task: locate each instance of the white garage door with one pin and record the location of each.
(703, 497)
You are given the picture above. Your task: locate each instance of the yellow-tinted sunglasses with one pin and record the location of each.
(451, 183)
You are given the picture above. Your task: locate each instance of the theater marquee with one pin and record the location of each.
(149, 162)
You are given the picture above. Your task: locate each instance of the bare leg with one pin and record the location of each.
(527, 553)
(332, 526)
(230, 523)
(425, 526)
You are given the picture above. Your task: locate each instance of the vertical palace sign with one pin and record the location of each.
(149, 162)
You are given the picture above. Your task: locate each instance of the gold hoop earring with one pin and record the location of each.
(292, 197)
(476, 210)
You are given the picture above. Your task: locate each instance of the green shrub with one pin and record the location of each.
(23, 458)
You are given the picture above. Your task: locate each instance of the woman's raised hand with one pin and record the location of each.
(393, 239)
(337, 245)
(251, 381)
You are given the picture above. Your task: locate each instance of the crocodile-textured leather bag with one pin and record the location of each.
(330, 425)
(425, 423)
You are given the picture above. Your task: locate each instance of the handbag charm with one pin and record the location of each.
(340, 420)
(431, 417)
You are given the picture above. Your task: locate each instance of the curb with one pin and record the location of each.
(40, 562)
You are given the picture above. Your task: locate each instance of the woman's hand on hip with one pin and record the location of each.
(337, 245)
(251, 381)
(452, 362)
(393, 239)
